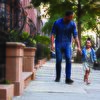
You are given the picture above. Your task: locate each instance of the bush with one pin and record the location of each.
(42, 52)
(24, 37)
(27, 39)
(13, 36)
(42, 39)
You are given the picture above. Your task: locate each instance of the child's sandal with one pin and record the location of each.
(88, 83)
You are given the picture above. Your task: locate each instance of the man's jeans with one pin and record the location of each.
(66, 49)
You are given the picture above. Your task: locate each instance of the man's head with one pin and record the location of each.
(69, 16)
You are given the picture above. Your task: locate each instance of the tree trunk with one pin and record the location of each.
(78, 58)
(79, 20)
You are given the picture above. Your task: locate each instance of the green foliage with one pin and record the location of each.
(42, 51)
(88, 12)
(28, 40)
(42, 39)
(24, 36)
(48, 25)
(13, 36)
(43, 47)
(6, 82)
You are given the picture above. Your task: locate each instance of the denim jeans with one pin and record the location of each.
(66, 49)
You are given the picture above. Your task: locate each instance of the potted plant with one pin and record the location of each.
(29, 52)
(14, 61)
(14, 57)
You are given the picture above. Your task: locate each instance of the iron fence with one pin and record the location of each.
(12, 16)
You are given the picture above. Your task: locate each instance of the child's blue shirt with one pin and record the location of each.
(92, 55)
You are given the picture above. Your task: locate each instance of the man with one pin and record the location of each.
(63, 30)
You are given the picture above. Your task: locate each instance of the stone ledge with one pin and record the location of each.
(27, 77)
(15, 44)
(32, 48)
(18, 88)
(6, 92)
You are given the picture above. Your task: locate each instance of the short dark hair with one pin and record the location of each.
(69, 12)
(88, 39)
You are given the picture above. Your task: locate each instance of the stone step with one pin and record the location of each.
(27, 77)
(6, 92)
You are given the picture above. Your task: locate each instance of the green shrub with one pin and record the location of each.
(24, 37)
(27, 39)
(42, 52)
(6, 82)
(13, 36)
(42, 39)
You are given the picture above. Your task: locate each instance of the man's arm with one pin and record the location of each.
(53, 32)
(75, 35)
(78, 44)
(52, 42)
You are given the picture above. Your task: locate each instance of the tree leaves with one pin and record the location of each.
(90, 9)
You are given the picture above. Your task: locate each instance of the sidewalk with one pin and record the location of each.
(44, 87)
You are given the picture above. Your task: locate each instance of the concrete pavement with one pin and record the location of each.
(44, 87)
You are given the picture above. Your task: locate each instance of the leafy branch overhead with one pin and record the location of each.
(87, 12)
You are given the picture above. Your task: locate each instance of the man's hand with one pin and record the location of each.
(78, 45)
(52, 47)
(79, 50)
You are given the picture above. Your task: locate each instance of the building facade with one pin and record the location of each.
(33, 24)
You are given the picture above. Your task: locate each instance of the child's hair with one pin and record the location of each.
(92, 42)
(89, 39)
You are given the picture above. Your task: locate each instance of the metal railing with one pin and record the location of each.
(12, 17)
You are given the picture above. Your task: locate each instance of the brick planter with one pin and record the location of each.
(14, 61)
(29, 56)
(14, 64)
(6, 92)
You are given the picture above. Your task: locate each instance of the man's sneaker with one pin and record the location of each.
(57, 80)
(69, 81)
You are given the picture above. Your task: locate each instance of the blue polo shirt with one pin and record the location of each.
(64, 32)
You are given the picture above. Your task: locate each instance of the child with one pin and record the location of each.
(88, 58)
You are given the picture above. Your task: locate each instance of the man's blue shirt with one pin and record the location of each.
(64, 32)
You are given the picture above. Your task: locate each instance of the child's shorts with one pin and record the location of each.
(87, 66)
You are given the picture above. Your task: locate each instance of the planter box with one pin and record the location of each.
(14, 61)
(29, 56)
(18, 88)
(6, 92)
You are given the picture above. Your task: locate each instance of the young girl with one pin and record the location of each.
(88, 57)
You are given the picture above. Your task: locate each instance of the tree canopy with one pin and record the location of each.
(86, 12)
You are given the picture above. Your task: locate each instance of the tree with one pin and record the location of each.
(48, 25)
(86, 12)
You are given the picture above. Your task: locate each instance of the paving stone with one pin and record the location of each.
(44, 87)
